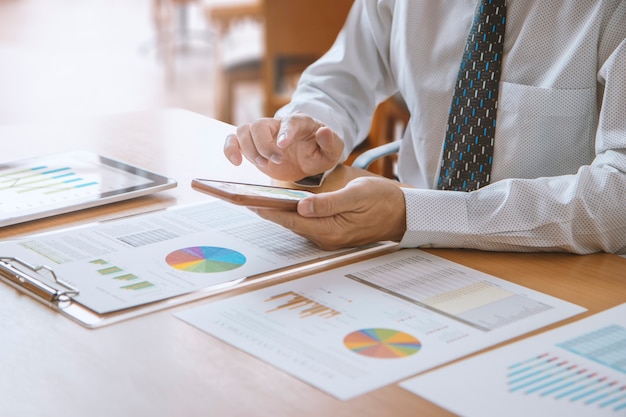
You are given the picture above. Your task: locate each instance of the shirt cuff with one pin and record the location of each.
(435, 218)
(314, 180)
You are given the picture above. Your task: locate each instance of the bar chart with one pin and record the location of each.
(55, 184)
(305, 306)
(552, 375)
(578, 369)
(42, 179)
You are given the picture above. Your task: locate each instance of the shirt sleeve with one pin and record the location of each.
(343, 87)
(582, 213)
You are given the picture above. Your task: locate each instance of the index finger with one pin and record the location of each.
(256, 140)
(294, 126)
(232, 151)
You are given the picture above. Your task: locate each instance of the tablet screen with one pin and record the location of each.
(54, 184)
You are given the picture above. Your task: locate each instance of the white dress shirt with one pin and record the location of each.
(558, 180)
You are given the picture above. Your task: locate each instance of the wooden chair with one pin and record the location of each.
(296, 33)
(379, 154)
(171, 19)
(224, 18)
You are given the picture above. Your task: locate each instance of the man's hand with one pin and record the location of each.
(367, 210)
(290, 149)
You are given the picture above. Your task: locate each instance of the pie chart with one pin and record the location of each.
(382, 343)
(205, 259)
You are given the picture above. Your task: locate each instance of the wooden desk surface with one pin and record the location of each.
(156, 365)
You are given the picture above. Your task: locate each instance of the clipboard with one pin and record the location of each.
(53, 289)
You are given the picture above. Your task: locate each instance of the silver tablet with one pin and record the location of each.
(54, 184)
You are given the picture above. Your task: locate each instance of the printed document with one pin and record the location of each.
(150, 257)
(356, 328)
(574, 370)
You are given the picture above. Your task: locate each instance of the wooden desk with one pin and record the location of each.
(156, 365)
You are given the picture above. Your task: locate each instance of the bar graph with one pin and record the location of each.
(138, 286)
(126, 277)
(553, 375)
(118, 275)
(42, 179)
(305, 306)
(109, 270)
(576, 369)
(55, 184)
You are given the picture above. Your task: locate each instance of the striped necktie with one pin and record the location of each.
(468, 145)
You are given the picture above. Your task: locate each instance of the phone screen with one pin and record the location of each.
(262, 191)
(252, 195)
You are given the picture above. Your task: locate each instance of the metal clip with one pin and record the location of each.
(37, 286)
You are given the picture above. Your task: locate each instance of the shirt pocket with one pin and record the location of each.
(543, 132)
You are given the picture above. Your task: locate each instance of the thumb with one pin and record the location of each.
(327, 204)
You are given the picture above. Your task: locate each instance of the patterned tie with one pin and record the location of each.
(468, 146)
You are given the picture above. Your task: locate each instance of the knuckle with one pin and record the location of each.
(242, 130)
(321, 207)
(329, 245)
(289, 223)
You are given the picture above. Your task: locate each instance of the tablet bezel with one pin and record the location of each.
(156, 182)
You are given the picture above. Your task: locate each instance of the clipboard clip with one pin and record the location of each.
(10, 269)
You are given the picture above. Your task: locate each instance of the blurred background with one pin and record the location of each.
(233, 60)
(65, 58)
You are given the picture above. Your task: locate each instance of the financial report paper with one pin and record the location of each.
(356, 328)
(574, 370)
(133, 261)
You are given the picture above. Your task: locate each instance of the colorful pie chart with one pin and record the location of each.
(382, 343)
(205, 259)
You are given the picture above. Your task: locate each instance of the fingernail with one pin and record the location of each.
(281, 138)
(305, 207)
(276, 159)
(260, 161)
(233, 159)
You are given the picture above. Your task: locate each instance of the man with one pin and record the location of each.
(557, 177)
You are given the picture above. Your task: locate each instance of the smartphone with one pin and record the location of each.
(251, 195)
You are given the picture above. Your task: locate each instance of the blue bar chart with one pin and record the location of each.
(42, 179)
(49, 185)
(553, 376)
(578, 369)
